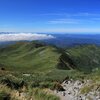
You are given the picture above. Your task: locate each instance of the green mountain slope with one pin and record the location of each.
(86, 58)
(30, 56)
(38, 57)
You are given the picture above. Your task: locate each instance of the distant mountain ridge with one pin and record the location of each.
(66, 40)
(37, 56)
(71, 40)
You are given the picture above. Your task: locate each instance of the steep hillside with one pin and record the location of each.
(39, 57)
(86, 57)
(31, 56)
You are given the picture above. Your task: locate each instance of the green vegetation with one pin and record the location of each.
(29, 57)
(86, 57)
(86, 89)
(35, 69)
(13, 85)
(44, 95)
(37, 94)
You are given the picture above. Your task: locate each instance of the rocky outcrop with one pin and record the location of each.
(79, 90)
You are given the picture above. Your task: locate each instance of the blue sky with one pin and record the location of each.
(50, 16)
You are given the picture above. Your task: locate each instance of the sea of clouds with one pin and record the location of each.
(24, 36)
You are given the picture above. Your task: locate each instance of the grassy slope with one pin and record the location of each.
(86, 57)
(27, 57)
(37, 57)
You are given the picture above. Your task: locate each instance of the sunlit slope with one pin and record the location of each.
(38, 57)
(29, 56)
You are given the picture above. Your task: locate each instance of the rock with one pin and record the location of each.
(73, 90)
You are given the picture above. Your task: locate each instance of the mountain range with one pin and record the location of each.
(64, 40)
(40, 57)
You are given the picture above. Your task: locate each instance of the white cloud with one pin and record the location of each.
(84, 14)
(24, 36)
(64, 21)
(87, 14)
(74, 21)
(74, 30)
